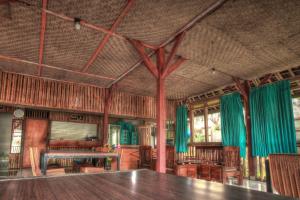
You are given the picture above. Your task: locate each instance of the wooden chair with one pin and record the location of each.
(285, 174)
(145, 157)
(232, 164)
(35, 164)
(204, 171)
(170, 159)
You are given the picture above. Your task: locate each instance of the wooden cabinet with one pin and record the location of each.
(188, 170)
(210, 172)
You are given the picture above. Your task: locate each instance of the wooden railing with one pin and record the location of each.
(202, 152)
(16, 89)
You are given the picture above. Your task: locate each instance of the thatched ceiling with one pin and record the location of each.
(242, 38)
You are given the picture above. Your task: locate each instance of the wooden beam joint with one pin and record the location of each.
(148, 63)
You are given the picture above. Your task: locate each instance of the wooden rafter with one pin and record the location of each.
(107, 36)
(148, 63)
(173, 67)
(178, 41)
(42, 36)
(241, 87)
(266, 79)
(13, 59)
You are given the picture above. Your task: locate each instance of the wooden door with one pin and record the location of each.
(35, 136)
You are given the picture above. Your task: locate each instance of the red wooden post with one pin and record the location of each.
(161, 130)
(108, 95)
(160, 71)
(251, 159)
(244, 89)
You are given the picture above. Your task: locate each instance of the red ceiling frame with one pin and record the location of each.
(148, 63)
(42, 36)
(107, 36)
(213, 7)
(13, 59)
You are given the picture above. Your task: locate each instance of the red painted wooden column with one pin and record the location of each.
(160, 71)
(244, 89)
(108, 96)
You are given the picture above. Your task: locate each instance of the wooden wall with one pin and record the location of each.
(16, 89)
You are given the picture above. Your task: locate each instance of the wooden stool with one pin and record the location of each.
(91, 169)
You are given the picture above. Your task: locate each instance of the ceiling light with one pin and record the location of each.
(213, 71)
(77, 23)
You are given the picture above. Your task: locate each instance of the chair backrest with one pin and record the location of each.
(285, 174)
(145, 155)
(231, 156)
(209, 154)
(170, 157)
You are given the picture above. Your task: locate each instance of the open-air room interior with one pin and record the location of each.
(149, 99)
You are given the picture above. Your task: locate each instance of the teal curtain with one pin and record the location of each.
(232, 122)
(128, 133)
(272, 119)
(181, 129)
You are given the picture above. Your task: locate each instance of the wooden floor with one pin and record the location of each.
(141, 184)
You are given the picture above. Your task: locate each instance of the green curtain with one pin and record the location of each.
(128, 133)
(272, 119)
(181, 129)
(232, 122)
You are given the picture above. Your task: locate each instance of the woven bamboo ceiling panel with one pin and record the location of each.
(67, 47)
(265, 29)
(140, 82)
(242, 38)
(117, 56)
(155, 20)
(19, 32)
(98, 12)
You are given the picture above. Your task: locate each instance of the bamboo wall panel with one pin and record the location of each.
(16, 89)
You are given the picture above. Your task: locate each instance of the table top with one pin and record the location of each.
(78, 153)
(139, 184)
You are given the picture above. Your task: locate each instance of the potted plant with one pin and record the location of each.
(107, 163)
(108, 160)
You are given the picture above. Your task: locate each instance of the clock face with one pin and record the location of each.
(19, 113)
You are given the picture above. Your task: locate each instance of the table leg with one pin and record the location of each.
(45, 165)
(118, 163)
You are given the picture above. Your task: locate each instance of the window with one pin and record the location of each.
(114, 134)
(214, 127)
(72, 131)
(199, 130)
(296, 108)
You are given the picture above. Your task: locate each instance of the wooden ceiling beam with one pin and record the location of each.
(148, 63)
(42, 36)
(13, 59)
(173, 67)
(107, 36)
(178, 41)
(266, 79)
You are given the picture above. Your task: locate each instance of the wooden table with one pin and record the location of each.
(76, 154)
(140, 185)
